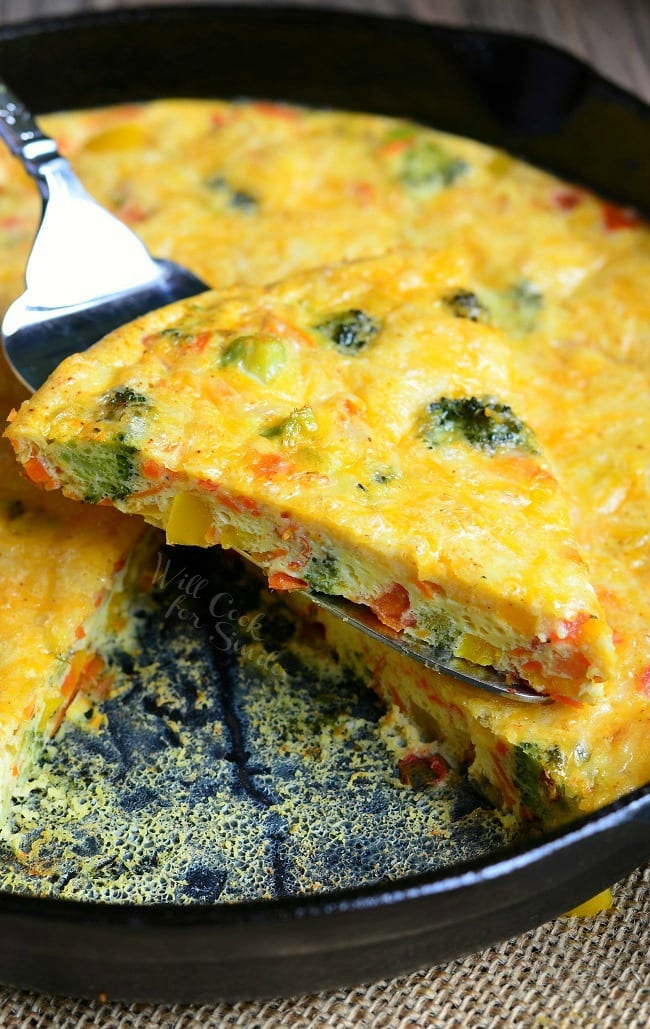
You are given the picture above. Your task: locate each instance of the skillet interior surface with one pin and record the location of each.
(516, 93)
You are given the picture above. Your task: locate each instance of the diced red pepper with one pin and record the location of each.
(276, 110)
(420, 770)
(615, 217)
(283, 581)
(567, 199)
(392, 607)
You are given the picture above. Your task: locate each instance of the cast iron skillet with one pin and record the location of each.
(537, 102)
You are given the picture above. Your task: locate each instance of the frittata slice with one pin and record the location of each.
(64, 570)
(348, 432)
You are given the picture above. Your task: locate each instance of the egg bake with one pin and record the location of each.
(350, 430)
(540, 269)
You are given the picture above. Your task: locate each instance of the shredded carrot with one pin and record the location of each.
(79, 632)
(92, 668)
(37, 472)
(505, 784)
(395, 146)
(568, 701)
(29, 710)
(232, 501)
(430, 589)
(84, 668)
(276, 326)
(397, 700)
(198, 342)
(350, 407)
(364, 192)
(151, 492)
(644, 681)
(69, 683)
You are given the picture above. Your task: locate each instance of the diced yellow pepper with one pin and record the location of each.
(118, 137)
(478, 651)
(601, 902)
(230, 538)
(500, 164)
(189, 520)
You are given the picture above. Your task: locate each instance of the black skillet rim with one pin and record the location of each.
(634, 807)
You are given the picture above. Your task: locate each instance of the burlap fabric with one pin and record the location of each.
(591, 972)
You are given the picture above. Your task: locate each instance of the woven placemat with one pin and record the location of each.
(592, 972)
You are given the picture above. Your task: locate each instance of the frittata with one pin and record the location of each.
(250, 192)
(351, 430)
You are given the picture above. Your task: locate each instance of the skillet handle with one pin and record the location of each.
(22, 134)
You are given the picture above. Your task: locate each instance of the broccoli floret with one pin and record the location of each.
(440, 628)
(114, 403)
(532, 777)
(350, 331)
(482, 422)
(101, 469)
(300, 425)
(238, 199)
(428, 167)
(464, 304)
(322, 573)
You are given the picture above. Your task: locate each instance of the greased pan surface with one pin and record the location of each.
(517, 93)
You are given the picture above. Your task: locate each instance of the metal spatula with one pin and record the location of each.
(88, 274)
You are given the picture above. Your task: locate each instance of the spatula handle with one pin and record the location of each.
(22, 134)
